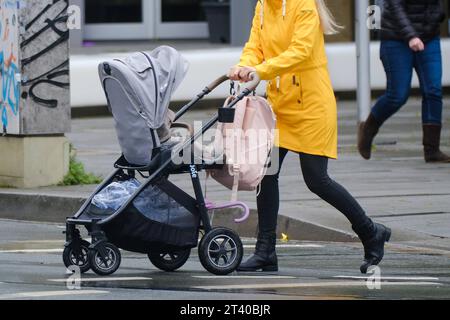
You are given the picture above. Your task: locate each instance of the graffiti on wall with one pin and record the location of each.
(44, 49)
(34, 66)
(9, 67)
(52, 18)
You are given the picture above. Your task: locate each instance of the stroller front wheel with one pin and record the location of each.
(105, 259)
(221, 251)
(77, 256)
(169, 261)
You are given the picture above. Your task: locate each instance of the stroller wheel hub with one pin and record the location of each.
(221, 251)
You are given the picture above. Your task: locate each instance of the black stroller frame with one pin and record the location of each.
(220, 249)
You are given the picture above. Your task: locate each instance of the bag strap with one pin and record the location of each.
(228, 100)
(236, 167)
(239, 106)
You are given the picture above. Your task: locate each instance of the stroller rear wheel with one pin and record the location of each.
(169, 261)
(105, 259)
(77, 257)
(221, 251)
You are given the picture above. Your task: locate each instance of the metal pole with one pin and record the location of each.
(363, 59)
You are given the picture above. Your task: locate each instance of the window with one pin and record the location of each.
(114, 11)
(182, 11)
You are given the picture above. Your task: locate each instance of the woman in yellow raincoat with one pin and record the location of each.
(287, 48)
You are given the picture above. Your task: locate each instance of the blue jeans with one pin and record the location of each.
(399, 61)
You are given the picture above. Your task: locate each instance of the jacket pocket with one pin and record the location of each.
(298, 87)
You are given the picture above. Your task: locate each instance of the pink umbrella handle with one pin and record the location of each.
(211, 206)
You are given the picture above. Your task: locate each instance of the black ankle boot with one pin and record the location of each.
(265, 257)
(367, 132)
(374, 237)
(431, 144)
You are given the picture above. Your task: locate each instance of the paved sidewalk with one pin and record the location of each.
(396, 187)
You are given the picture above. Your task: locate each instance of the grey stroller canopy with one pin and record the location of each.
(138, 89)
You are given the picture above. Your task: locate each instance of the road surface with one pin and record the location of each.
(31, 268)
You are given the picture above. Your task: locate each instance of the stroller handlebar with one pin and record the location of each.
(256, 80)
(217, 82)
(251, 86)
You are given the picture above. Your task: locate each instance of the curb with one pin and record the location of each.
(38, 207)
(55, 209)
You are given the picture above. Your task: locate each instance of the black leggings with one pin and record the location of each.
(315, 173)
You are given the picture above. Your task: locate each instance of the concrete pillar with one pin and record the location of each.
(35, 101)
(242, 13)
(33, 162)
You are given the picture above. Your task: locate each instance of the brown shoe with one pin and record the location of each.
(431, 144)
(367, 132)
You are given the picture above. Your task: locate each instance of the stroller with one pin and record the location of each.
(138, 91)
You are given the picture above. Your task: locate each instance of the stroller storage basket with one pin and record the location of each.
(160, 215)
(133, 231)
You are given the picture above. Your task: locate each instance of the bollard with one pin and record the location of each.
(35, 87)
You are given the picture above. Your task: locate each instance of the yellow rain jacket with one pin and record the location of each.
(287, 47)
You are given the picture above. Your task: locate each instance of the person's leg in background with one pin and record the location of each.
(265, 257)
(428, 65)
(398, 62)
(373, 235)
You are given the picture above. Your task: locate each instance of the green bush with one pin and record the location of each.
(78, 176)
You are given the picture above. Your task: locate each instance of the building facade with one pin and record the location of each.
(178, 19)
(142, 19)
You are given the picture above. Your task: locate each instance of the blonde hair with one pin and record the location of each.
(329, 24)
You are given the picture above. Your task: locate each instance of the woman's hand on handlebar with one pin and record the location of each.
(243, 74)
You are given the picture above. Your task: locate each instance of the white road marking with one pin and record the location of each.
(103, 279)
(33, 251)
(243, 277)
(291, 246)
(390, 278)
(49, 251)
(40, 241)
(44, 294)
(312, 285)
